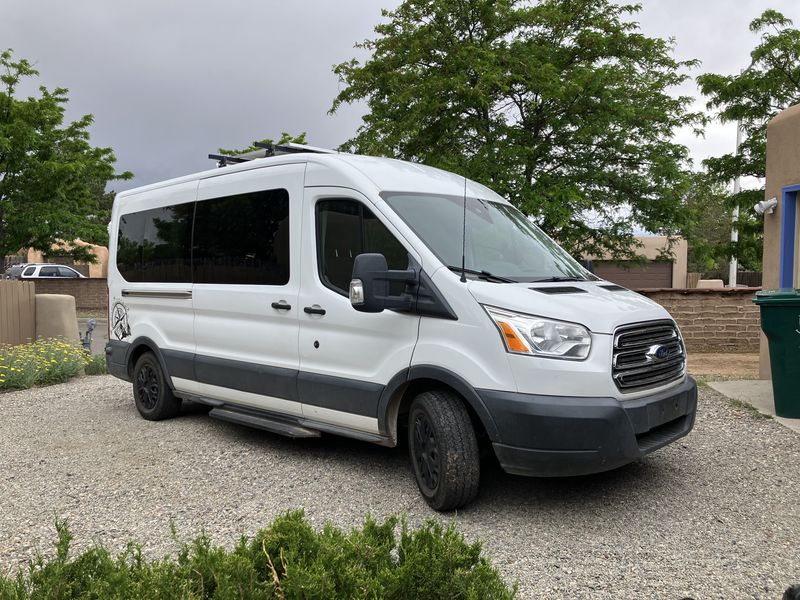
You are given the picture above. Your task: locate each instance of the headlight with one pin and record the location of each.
(526, 334)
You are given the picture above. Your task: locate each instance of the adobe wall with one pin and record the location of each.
(90, 294)
(713, 320)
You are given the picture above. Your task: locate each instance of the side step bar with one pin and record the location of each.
(261, 422)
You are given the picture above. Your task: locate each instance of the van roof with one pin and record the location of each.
(386, 174)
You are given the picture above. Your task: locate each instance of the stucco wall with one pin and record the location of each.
(783, 169)
(96, 269)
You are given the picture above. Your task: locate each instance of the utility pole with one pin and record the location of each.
(734, 267)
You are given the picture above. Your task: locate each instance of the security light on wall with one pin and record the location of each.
(766, 207)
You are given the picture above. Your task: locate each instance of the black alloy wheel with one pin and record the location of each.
(151, 392)
(147, 387)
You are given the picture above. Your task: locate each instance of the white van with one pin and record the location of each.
(321, 292)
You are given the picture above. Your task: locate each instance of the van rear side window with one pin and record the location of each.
(154, 245)
(241, 239)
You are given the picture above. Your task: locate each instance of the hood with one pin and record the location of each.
(599, 308)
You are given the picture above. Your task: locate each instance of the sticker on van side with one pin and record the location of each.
(119, 321)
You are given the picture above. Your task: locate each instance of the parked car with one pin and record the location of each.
(49, 270)
(14, 271)
(373, 298)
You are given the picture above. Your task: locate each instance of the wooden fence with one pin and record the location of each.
(17, 312)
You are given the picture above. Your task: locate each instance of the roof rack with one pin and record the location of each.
(267, 150)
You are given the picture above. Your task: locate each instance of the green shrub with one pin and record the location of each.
(287, 560)
(96, 365)
(42, 362)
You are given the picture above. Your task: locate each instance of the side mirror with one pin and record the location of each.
(369, 286)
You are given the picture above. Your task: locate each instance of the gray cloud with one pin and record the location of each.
(169, 82)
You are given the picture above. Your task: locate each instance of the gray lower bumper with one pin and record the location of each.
(556, 436)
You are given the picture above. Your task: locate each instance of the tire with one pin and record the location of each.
(151, 393)
(443, 450)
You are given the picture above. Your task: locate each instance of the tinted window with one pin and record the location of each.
(243, 239)
(48, 272)
(29, 271)
(345, 229)
(66, 272)
(153, 245)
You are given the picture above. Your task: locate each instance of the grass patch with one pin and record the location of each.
(286, 560)
(754, 412)
(96, 365)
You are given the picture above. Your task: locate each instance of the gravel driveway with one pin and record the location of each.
(716, 515)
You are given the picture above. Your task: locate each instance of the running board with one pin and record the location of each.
(259, 422)
(374, 438)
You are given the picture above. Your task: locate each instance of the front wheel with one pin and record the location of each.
(444, 450)
(151, 393)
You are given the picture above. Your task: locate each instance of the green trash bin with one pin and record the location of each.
(780, 322)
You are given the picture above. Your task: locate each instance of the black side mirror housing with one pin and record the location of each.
(369, 287)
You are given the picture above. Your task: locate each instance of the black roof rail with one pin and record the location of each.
(223, 160)
(268, 151)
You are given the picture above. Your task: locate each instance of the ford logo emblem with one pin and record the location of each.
(657, 352)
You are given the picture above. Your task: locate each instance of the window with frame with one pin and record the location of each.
(242, 239)
(345, 229)
(67, 272)
(155, 245)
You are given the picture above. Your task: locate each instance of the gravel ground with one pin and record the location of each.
(714, 516)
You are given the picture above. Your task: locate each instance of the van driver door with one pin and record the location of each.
(346, 356)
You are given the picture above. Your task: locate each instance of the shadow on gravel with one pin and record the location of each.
(632, 488)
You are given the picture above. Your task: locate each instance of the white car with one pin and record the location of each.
(319, 292)
(41, 270)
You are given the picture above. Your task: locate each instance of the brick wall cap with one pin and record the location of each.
(700, 291)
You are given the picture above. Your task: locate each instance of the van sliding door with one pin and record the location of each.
(246, 278)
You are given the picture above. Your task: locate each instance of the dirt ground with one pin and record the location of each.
(724, 365)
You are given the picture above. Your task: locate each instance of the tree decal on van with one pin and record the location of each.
(119, 321)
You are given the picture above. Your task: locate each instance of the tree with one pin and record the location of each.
(562, 106)
(709, 229)
(767, 86)
(52, 180)
(285, 138)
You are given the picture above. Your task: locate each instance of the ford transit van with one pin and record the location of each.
(316, 292)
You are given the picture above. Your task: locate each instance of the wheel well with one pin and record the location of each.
(135, 354)
(400, 406)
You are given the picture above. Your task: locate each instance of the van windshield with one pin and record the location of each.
(501, 243)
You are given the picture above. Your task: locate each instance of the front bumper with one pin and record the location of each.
(557, 436)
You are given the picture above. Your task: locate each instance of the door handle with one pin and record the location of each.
(282, 305)
(314, 310)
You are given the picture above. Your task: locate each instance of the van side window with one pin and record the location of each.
(29, 271)
(243, 239)
(154, 245)
(345, 229)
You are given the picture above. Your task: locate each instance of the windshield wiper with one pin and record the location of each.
(556, 278)
(482, 275)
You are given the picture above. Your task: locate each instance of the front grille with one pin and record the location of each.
(647, 355)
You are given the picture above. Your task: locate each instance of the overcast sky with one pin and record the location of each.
(170, 81)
